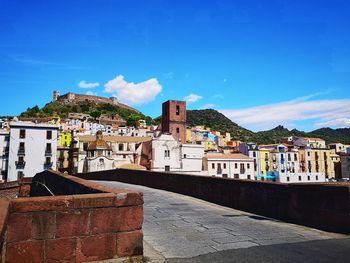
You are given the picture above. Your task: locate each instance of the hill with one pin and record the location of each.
(93, 108)
(219, 122)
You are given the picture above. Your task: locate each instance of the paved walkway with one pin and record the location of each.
(182, 227)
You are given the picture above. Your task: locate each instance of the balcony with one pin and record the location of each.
(48, 165)
(219, 171)
(20, 164)
(21, 152)
(48, 152)
(242, 171)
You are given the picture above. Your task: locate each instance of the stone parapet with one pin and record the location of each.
(324, 206)
(97, 224)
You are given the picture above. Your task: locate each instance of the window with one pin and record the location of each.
(20, 159)
(48, 147)
(21, 145)
(177, 130)
(241, 168)
(236, 176)
(167, 168)
(299, 178)
(316, 177)
(22, 134)
(101, 161)
(287, 178)
(308, 177)
(124, 156)
(185, 156)
(213, 165)
(254, 154)
(295, 157)
(48, 135)
(236, 165)
(224, 175)
(85, 146)
(121, 147)
(248, 165)
(224, 165)
(308, 154)
(166, 153)
(177, 110)
(248, 177)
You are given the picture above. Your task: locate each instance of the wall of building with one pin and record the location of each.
(35, 145)
(192, 157)
(323, 206)
(4, 154)
(345, 166)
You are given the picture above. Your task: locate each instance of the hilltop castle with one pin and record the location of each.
(75, 98)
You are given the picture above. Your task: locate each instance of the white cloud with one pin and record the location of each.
(133, 93)
(340, 122)
(85, 85)
(208, 106)
(192, 98)
(333, 113)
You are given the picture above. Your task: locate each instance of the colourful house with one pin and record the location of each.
(66, 138)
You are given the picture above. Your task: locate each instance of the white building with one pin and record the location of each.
(33, 148)
(192, 158)
(236, 165)
(164, 153)
(4, 153)
(121, 150)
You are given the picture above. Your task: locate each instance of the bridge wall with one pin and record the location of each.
(319, 205)
(83, 222)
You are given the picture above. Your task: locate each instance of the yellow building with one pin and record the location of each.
(188, 135)
(66, 138)
(320, 161)
(210, 146)
(264, 160)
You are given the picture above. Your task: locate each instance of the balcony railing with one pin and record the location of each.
(242, 171)
(48, 152)
(20, 164)
(21, 151)
(219, 171)
(48, 165)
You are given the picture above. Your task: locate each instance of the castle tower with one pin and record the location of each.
(174, 119)
(56, 94)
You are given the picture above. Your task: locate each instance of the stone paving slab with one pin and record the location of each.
(178, 226)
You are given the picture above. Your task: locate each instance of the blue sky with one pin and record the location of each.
(262, 63)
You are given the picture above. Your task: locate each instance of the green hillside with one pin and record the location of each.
(217, 121)
(95, 110)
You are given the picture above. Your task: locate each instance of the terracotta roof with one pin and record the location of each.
(228, 156)
(90, 138)
(131, 166)
(99, 144)
(313, 139)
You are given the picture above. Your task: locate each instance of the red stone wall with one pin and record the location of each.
(73, 228)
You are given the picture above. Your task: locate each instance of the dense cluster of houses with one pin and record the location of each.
(77, 144)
